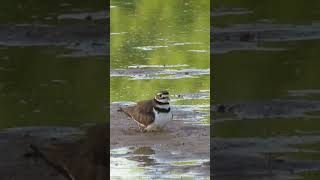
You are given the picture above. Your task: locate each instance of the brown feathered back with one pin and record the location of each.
(141, 112)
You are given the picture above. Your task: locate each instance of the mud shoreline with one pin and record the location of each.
(15, 147)
(54, 153)
(254, 158)
(177, 142)
(273, 156)
(85, 39)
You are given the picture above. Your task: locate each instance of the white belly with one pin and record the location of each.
(161, 119)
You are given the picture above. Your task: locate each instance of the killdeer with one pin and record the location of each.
(153, 114)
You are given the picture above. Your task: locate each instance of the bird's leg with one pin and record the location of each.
(141, 128)
(151, 128)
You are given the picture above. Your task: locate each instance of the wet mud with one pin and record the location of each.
(257, 36)
(271, 156)
(180, 150)
(83, 40)
(255, 158)
(268, 109)
(158, 73)
(264, 139)
(54, 153)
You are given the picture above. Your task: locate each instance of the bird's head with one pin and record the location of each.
(163, 97)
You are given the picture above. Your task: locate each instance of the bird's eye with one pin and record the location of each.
(160, 95)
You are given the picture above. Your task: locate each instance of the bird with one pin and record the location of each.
(153, 114)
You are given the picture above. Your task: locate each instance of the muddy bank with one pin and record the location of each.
(258, 35)
(255, 158)
(162, 72)
(53, 153)
(280, 154)
(267, 32)
(15, 144)
(180, 147)
(86, 40)
(267, 109)
(230, 12)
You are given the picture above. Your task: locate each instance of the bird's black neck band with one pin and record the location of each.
(162, 110)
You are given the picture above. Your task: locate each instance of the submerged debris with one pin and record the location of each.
(80, 159)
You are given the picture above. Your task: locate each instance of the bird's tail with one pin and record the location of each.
(126, 110)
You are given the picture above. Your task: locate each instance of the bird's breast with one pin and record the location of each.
(162, 118)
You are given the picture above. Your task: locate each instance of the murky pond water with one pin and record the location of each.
(49, 55)
(147, 163)
(159, 45)
(267, 85)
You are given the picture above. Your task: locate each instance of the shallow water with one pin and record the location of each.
(149, 163)
(160, 45)
(171, 54)
(47, 67)
(272, 62)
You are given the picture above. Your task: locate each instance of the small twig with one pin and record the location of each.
(63, 171)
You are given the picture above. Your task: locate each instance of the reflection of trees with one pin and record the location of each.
(262, 76)
(177, 21)
(145, 23)
(146, 88)
(40, 89)
(142, 154)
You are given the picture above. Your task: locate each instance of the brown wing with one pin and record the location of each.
(142, 112)
(127, 110)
